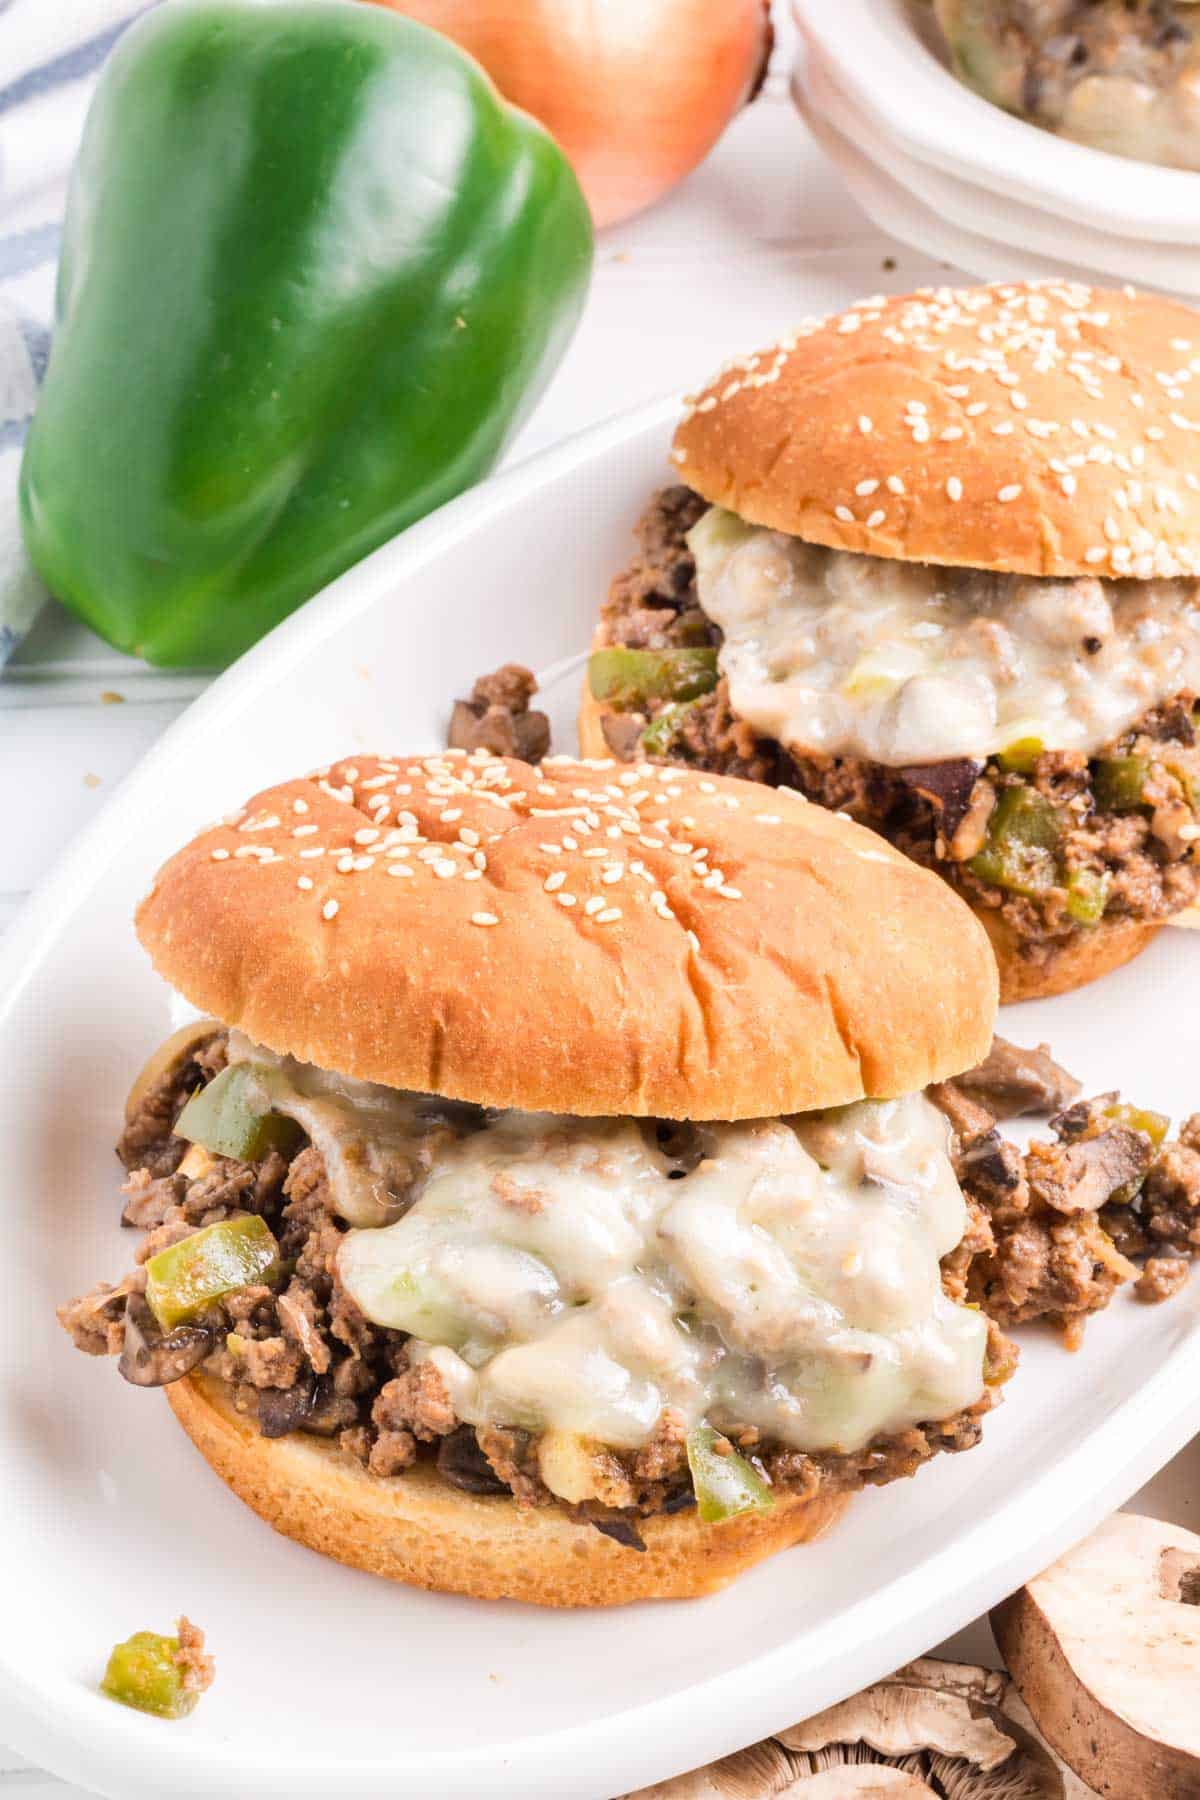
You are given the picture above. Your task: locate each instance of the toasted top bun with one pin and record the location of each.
(580, 938)
(1046, 428)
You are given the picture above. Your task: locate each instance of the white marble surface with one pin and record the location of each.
(718, 265)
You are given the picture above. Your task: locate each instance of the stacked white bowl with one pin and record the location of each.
(936, 165)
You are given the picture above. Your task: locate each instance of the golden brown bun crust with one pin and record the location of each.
(826, 966)
(418, 1529)
(1048, 429)
(1087, 956)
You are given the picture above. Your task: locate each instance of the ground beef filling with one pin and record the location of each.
(1051, 1234)
(1054, 1229)
(305, 1358)
(937, 814)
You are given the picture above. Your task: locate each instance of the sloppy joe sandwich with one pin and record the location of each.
(548, 1204)
(937, 564)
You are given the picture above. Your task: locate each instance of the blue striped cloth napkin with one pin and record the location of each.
(49, 58)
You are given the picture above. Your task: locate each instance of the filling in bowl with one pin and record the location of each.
(1120, 75)
(1033, 739)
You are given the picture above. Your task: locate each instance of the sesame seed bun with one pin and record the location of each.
(418, 1529)
(1086, 956)
(579, 938)
(1045, 428)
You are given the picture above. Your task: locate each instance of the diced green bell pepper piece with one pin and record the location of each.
(662, 733)
(1154, 1124)
(142, 1673)
(628, 678)
(1087, 895)
(315, 272)
(187, 1278)
(724, 1485)
(1019, 757)
(227, 1117)
(1119, 782)
(1021, 849)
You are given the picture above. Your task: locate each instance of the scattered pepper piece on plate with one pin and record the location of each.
(160, 1675)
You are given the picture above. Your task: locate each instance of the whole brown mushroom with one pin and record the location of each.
(1105, 1649)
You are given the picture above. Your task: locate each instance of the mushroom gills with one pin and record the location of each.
(933, 1728)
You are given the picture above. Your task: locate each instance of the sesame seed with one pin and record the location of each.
(303, 830)
(866, 487)
(954, 488)
(609, 916)
(219, 855)
(399, 869)
(445, 868)
(565, 899)
(593, 906)
(300, 806)
(329, 910)
(367, 835)
(864, 424)
(895, 484)
(1009, 493)
(484, 918)
(304, 882)
(876, 518)
(553, 882)
(844, 514)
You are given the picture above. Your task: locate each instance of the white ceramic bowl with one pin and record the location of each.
(330, 1682)
(882, 59)
(948, 214)
(898, 211)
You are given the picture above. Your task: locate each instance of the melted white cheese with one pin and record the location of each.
(377, 1143)
(902, 662)
(561, 1278)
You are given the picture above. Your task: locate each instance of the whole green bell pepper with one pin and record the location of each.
(314, 272)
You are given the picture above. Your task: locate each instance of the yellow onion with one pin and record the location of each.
(637, 92)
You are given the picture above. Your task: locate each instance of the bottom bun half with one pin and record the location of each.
(1084, 957)
(1093, 952)
(418, 1529)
